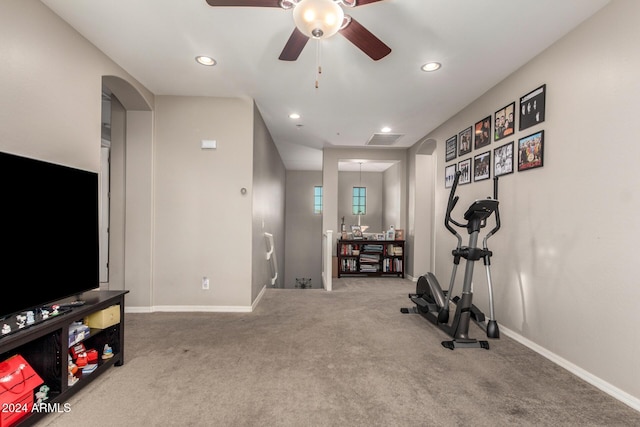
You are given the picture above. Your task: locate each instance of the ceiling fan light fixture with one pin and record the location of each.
(318, 19)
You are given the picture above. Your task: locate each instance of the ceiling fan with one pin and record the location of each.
(312, 22)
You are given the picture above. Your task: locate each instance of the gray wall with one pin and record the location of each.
(392, 180)
(51, 110)
(330, 159)
(304, 228)
(199, 208)
(564, 261)
(303, 247)
(51, 104)
(419, 236)
(269, 192)
(374, 215)
(178, 212)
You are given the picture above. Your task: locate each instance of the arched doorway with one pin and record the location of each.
(126, 197)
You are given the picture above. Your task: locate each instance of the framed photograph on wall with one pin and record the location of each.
(482, 166)
(482, 133)
(503, 159)
(532, 106)
(531, 151)
(449, 175)
(452, 148)
(504, 122)
(465, 171)
(465, 139)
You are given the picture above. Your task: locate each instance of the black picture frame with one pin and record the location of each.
(482, 133)
(532, 107)
(464, 166)
(450, 175)
(451, 148)
(465, 141)
(531, 151)
(482, 166)
(504, 124)
(503, 159)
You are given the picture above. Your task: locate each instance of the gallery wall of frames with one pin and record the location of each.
(492, 143)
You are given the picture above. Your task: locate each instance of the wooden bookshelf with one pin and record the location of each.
(371, 258)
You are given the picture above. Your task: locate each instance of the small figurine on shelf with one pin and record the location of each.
(21, 321)
(42, 394)
(6, 329)
(31, 318)
(71, 379)
(72, 369)
(107, 353)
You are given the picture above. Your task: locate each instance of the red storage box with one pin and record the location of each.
(17, 383)
(92, 356)
(78, 350)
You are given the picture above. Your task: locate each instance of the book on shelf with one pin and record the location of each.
(394, 250)
(369, 258)
(372, 248)
(87, 369)
(392, 265)
(349, 249)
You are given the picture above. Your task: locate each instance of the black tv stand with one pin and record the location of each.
(71, 304)
(45, 347)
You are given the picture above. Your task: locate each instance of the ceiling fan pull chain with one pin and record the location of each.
(318, 66)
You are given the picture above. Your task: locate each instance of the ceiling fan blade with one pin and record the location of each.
(363, 2)
(365, 40)
(294, 46)
(255, 3)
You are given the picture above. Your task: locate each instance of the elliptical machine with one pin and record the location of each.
(434, 304)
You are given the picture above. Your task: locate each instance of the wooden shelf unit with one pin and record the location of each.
(45, 347)
(371, 258)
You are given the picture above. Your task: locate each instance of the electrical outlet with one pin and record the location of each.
(205, 283)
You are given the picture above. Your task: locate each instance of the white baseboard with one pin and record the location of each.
(610, 389)
(198, 308)
(191, 309)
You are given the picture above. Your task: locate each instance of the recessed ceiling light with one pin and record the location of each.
(385, 129)
(294, 116)
(206, 60)
(431, 66)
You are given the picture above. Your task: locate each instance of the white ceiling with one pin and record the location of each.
(479, 43)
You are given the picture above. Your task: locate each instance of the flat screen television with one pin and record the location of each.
(48, 233)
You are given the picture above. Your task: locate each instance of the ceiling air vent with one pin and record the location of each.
(384, 139)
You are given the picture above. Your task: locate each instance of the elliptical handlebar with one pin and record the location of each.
(497, 212)
(453, 199)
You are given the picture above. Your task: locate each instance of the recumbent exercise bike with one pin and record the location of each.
(434, 304)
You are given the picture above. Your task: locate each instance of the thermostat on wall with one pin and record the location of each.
(209, 144)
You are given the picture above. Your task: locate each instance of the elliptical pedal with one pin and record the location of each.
(453, 344)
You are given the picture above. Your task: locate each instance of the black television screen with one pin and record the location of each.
(48, 233)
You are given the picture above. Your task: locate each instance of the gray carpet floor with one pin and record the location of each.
(341, 358)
